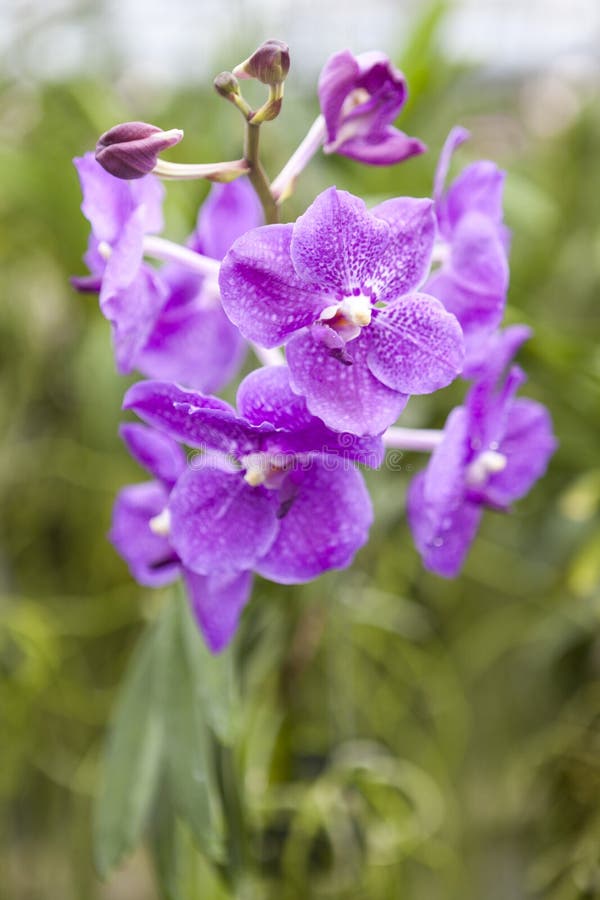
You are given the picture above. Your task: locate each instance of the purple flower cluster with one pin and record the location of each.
(168, 322)
(360, 309)
(273, 492)
(339, 288)
(492, 451)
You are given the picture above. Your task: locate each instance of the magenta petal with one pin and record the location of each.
(261, 292)
(107, 201)
(384, 148)
(156, 452)
(528, 444)
(190, 417)
(443, 543)
(442, 520)
(327, 522)
(217, 602)
(444, 487)
(126, 256)
(150, 558)
(337, 243)
(132, 312)
(338, 77)
(495, 353)
(412, 233)
(477, 312)
(347, 397)
(478, 188)
(193, 343)
(415, 346)
(478, 259)
(219, 522)
(266, 397)
(229, 211)
(457, 136)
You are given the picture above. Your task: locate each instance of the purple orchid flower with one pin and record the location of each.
(167, 323)
(493, 450)
(140, 534)
(472, 244)
(275, 492)
(193, 342)
(338, 287)
(131, 292)
(360, 97)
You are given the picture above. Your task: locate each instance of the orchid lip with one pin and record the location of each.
(161, 524)
(490, 462)
(265, 469)
(348, 317)
(105, 250)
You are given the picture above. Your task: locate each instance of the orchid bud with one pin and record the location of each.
(130, 150)
(269, 64)
(226, 84)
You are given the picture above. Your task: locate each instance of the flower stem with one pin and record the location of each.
(283, 186)
(222, 171)
(169, 251)
(257, 175)
(423, 440)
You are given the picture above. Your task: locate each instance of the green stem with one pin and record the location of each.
(257, 176)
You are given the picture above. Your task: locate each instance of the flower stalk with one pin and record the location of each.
(257, 175)
(420, 440)
(283, 186)
(222, 172)
(169, 251)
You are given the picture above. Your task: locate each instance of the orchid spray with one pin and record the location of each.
(349, 311)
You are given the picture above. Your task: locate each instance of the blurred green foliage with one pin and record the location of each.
(401, 736)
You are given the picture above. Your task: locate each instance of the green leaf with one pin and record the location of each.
(182, 871)
(189, 746)
(215, 678)
(132, 763)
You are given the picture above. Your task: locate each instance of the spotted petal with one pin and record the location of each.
(415, 346)
(328, 520)
(347, 397)
(219, 522)
(412, 232)
(261, 291)
(191, 417)
(265, 396)
(338, 244)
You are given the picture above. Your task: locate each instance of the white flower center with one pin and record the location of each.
(105, 250)
(349, 316)
(161, 524)
(490, 462)
(265, 469)
(357, 310)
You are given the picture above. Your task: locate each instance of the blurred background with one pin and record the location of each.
(403, 736)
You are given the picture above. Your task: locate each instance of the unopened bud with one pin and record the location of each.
(269, 64)
(131, 150)
(226, 84)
